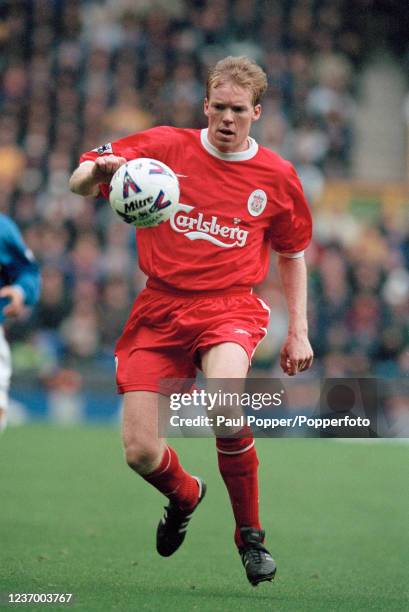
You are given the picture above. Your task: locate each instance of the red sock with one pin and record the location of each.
(238, 464)
(172, 480)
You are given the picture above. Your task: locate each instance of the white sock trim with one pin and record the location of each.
(239, 452)
(199, 482)
(168, 464)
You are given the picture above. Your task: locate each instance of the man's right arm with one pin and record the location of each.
(86, 178)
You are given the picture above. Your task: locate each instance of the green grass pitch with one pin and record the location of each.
(74, 519)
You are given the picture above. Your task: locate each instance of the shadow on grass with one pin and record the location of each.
(264, 597)
(210, 594)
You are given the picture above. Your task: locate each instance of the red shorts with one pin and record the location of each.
(167, 332)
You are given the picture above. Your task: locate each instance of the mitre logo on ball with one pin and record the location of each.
(144, 192)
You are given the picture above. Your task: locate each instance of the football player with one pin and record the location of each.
(238, 202)
(19, 287)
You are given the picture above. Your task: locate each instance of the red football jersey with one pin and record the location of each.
(234, 207)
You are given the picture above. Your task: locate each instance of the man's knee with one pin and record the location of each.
(225, 360)
(143, 448)
(143, 458)
(3, 419)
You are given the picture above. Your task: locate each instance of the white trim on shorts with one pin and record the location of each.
(263, 329)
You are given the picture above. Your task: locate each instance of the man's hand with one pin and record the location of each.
(296, 354)
(16, 297)
(86, 178)
(105, 167)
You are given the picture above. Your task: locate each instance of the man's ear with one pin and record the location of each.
(206, 107)
(256, 112)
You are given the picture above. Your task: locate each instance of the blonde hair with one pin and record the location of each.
(243, 72)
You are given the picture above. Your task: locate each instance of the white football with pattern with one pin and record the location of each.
(144, 192)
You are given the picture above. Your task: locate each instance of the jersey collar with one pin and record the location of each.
(238, 156)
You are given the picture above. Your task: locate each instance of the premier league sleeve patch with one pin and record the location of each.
(106, 148)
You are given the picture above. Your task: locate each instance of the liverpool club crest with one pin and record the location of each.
(257, 202)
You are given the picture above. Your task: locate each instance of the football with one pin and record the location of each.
(144, 192)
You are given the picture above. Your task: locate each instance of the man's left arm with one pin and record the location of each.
(22, 270)
(296, 353)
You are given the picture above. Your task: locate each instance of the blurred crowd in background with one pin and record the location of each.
(76, 74)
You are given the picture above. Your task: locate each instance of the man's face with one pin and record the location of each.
(230, 112)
